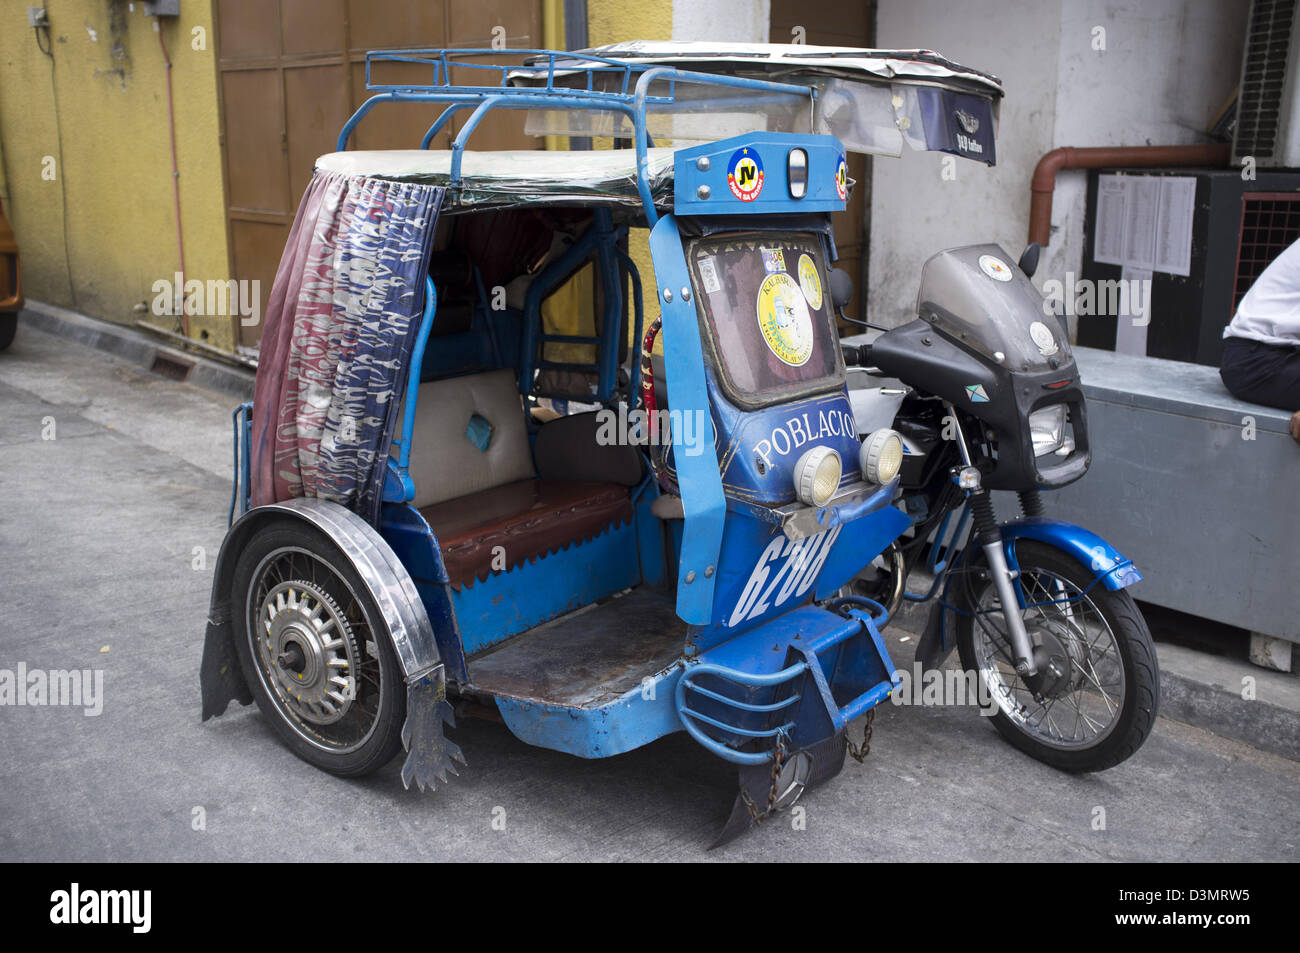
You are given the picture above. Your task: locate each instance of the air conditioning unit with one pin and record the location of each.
(1268, 102)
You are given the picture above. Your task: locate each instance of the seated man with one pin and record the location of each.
(1261, 345)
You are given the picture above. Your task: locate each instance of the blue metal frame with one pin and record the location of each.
(703, 501)
(242, 422)
(823, 655)
(398, 487)
(483, 99)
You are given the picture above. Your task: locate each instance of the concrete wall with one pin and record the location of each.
(102, 102)
(1167, 68)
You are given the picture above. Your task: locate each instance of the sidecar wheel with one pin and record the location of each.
(8, 327)
(1101, 704)
(315, 650)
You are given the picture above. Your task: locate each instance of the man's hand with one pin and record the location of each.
(1295, 426)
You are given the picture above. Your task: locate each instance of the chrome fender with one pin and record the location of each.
(393, 592)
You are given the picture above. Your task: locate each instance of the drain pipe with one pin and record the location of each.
(178, 296)
(1044, 181)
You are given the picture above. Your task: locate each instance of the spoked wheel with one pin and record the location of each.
(315, 651)
(1093, 701)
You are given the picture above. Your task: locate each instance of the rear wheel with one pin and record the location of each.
(315, 650)
(8, 327)
(1094, 699)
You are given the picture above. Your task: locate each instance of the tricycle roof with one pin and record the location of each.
(849, 62)
(605, 177)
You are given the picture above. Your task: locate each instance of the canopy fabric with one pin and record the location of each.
(340, 325)
(515, 177)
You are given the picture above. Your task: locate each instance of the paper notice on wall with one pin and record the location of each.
(1134, 311)
(1145, 222)
(1108, 240)
(1174, 232)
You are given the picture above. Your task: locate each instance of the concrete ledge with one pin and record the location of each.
(1206, 691)
(138, 347)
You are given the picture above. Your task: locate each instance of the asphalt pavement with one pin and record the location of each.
(114, 488)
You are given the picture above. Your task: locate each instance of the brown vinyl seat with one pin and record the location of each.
(527, 519)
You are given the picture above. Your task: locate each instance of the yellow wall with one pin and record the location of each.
(613, 21)
(116, 165)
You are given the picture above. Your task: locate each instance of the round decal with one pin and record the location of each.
(995, 268)
(1043, 339)
(784, 319)
(745, 174)
(842, 179)
(809, 282)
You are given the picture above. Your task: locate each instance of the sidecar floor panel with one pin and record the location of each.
(588, 657)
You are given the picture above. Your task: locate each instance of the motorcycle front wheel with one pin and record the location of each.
(1095, 697)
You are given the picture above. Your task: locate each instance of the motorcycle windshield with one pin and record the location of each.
(980, 298)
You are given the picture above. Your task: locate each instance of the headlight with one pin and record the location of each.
(816, 476)
(1047, 429)
(881, 456)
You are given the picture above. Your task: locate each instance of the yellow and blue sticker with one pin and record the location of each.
(745, 174)
(842, 178)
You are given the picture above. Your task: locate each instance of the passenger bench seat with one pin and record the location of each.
(475, 500)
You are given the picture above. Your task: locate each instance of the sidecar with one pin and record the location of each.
(501, 501)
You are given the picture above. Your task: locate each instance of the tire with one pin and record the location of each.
(290, 564)
(1124, 647)
(8, 327)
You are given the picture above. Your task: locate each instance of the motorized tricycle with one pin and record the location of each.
(469, 482)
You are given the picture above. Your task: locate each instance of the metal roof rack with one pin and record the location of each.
(630, 99)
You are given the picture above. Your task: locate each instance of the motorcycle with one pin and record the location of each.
(985, 394)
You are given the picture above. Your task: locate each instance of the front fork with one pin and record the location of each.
(987, 534)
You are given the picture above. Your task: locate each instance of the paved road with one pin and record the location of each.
(98, 532)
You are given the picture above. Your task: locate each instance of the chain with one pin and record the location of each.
(860, 753)
(778, 758)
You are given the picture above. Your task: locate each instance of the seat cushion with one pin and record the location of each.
(445, 462)
(526, 518)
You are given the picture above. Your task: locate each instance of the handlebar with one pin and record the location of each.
(856, 355)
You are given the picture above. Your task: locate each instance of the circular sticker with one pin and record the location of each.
(809, 282)
(745, 174)
(784, 319)
(995, 268)
(1043, 339)
(842, 179)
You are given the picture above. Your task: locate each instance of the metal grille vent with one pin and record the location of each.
(1270, 221)
(1264, 76)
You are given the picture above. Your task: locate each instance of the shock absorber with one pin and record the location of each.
(989, 537)
(983, 517)
(1031, 502)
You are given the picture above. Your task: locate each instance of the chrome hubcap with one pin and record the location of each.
(309, 649)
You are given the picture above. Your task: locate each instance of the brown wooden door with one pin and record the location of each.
(291, 73)
(850, 25)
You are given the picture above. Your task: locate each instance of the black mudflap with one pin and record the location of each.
(801, 770)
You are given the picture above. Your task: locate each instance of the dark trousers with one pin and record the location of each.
(1260, 373)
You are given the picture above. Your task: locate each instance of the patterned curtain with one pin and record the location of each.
(339, 329)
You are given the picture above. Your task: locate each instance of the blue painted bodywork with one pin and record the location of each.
(1108, 565)
(824, 153)
(492, 610)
